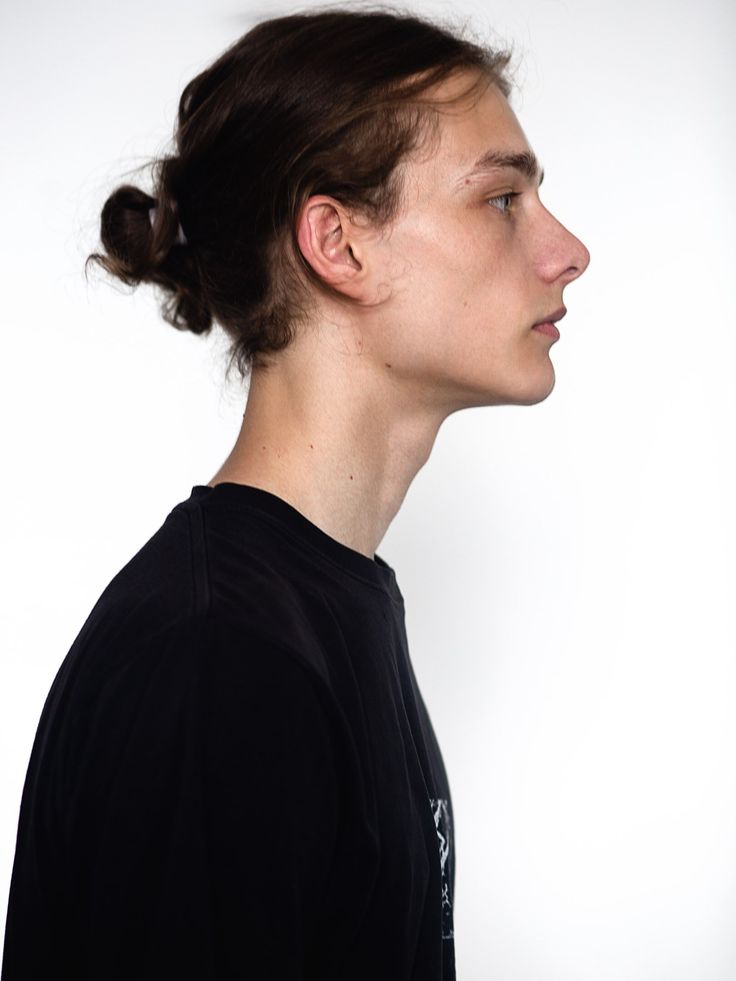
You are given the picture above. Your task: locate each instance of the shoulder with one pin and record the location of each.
(202, 686)
(190, 670)
(221, 651)
(218, 655)
(211, 585)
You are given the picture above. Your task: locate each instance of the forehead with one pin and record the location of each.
(468, 131)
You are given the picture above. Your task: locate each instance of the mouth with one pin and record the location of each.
(552, 317)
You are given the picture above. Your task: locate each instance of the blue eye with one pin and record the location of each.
(500, 197)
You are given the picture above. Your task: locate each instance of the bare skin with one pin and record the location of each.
(343, 421)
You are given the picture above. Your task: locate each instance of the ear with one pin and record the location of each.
(331, 244)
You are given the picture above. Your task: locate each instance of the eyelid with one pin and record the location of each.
(506, 194)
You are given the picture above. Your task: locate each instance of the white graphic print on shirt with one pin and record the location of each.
(441, 816)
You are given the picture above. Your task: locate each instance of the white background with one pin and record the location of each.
(569, 568)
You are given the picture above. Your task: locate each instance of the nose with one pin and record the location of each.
(581, 258)
(562, 257)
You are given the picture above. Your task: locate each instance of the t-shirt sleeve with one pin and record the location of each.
(219, 816)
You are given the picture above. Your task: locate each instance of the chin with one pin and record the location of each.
(536, 393)
(527, 389)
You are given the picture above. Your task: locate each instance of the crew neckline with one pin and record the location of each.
(234, 495)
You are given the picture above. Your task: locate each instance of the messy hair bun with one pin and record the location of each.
(144, 242)
(326, 102)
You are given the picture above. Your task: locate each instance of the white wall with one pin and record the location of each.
(569, 568)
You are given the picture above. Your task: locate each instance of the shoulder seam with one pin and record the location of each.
(201, 593)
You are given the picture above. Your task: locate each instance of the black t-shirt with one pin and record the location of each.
(234, 774)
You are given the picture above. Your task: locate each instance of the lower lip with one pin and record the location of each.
(549, 329)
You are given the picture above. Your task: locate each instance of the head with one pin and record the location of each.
(322, 176)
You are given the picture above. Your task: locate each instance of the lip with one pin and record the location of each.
(549, 329)
(552, 317)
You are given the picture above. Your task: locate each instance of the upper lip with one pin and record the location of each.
(550, 319)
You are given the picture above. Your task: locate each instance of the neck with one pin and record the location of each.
(337, 439)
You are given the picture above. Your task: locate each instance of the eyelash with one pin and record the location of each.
(499, 197)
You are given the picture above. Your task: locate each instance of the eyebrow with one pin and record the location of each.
(524, 161)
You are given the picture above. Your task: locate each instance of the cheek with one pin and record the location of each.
(452, 271)
(451, 279)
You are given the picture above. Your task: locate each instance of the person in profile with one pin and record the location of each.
(235, 773)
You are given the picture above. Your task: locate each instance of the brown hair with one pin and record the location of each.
(321, 102)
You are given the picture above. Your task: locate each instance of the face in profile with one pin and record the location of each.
(473, 262)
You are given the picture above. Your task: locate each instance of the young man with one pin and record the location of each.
(344, 421)
(235, 774)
